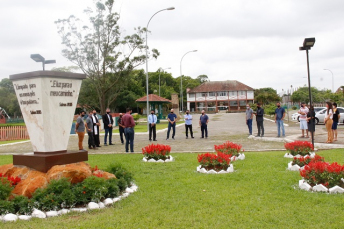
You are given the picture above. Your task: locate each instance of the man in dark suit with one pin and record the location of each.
(108, 126)
(260, 120)
(96, 125)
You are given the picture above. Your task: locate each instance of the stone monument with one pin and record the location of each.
(48, 100)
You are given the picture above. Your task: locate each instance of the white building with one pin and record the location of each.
(228, 95)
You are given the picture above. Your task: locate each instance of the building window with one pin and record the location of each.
(201, 105)
(192, 96)
(198, 95)
(232, 93)
(222, 93)
(212, 94)
(204, 94)
(233, 103)
(222, 105)
(242, 93)
(242, 103)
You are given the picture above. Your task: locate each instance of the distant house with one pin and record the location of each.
(229, 95)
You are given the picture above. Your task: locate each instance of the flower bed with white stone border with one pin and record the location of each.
(241, 156)
(230, 169)
(319, 188)
(288, 155)
(90, 206)
(169, 159)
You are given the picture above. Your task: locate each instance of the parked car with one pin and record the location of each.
(320, 115)
(296, 116)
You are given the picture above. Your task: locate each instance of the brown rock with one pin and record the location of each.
(19, 171)
(76, 172)
(5, 168)
(28, 186)
(105, 175)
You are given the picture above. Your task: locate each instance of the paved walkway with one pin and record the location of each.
(222, 127)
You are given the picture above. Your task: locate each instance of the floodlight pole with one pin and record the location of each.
(147, 91)
(181, 81)
(332, 79)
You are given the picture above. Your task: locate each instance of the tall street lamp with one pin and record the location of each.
(161, 69)
(170, 8)
(39, 58)
(181, 79)
(308, 43)
(332, 80)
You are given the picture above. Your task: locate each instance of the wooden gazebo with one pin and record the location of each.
(154, 100)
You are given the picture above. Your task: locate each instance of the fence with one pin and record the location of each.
(9, 133)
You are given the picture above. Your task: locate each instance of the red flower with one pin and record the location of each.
(299, 147)
(228, 148)
(158, 151)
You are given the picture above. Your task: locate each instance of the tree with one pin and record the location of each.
(66, 69)
(202, 78)
(8, 97)
(101, 52)
(266, 95)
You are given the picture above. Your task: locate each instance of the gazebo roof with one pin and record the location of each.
(153, 98)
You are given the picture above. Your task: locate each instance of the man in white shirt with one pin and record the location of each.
(303, 119)
(152, 119)
(188, 124)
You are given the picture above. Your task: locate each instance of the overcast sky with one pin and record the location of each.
(252, 41)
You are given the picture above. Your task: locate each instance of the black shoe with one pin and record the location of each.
(192, 137)
(122, 143)
(150, 140)
(173, 138)
(98, 146)
(155, 140)
(111, 144)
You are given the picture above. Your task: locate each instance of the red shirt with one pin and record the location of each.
(128, 121)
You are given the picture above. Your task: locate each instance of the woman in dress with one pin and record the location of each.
(328, 122)
(311, 121)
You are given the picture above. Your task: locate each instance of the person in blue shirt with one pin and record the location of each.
(172, 119)
(188, 123)
(203, 122)
(279, 116)
(152, 125)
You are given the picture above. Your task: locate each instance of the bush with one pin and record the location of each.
(113, 189)
(6, 207)
(22, 205)
(5, 188)
(293, 107)
(270, 109)
(120, 172)
(299, 147)
(217, 161)
(158, 151)
(94, 189)
(228, 148)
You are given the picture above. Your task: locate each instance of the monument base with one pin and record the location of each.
(43, 162)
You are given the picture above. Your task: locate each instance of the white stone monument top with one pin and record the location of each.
(48, 100)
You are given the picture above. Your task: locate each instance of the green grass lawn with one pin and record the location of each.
(12, 124)
(261, 193)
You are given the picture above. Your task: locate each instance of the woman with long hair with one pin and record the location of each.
(328, 122)
(311, 120)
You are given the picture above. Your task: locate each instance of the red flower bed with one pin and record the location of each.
(302, 161)
(299, 147)
(228, 148)
(13, 180)
(158, 151)
(219, 161)
(321, 172)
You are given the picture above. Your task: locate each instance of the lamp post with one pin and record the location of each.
(181, 79)
(332, 79)
(39, 58)
(160, 74)
(308, 43)
(170, 8)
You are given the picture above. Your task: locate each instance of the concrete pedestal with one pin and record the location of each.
(42, 162)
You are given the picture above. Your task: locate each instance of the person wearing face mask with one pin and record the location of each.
(203, 122)
(303, 119)
(89, 127)
(108, 126)
(188, 124)
(152, 119)
(80, 129)
(172, 119)
(120, 127)
(279, 116)
(249, 117)
(96, 125)
(260, 120)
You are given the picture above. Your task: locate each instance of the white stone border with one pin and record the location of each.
(319, 188)
(203, 170)
(90, 206)
(240, 157)
(160, 160)
(294, 167)
(288, 155)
